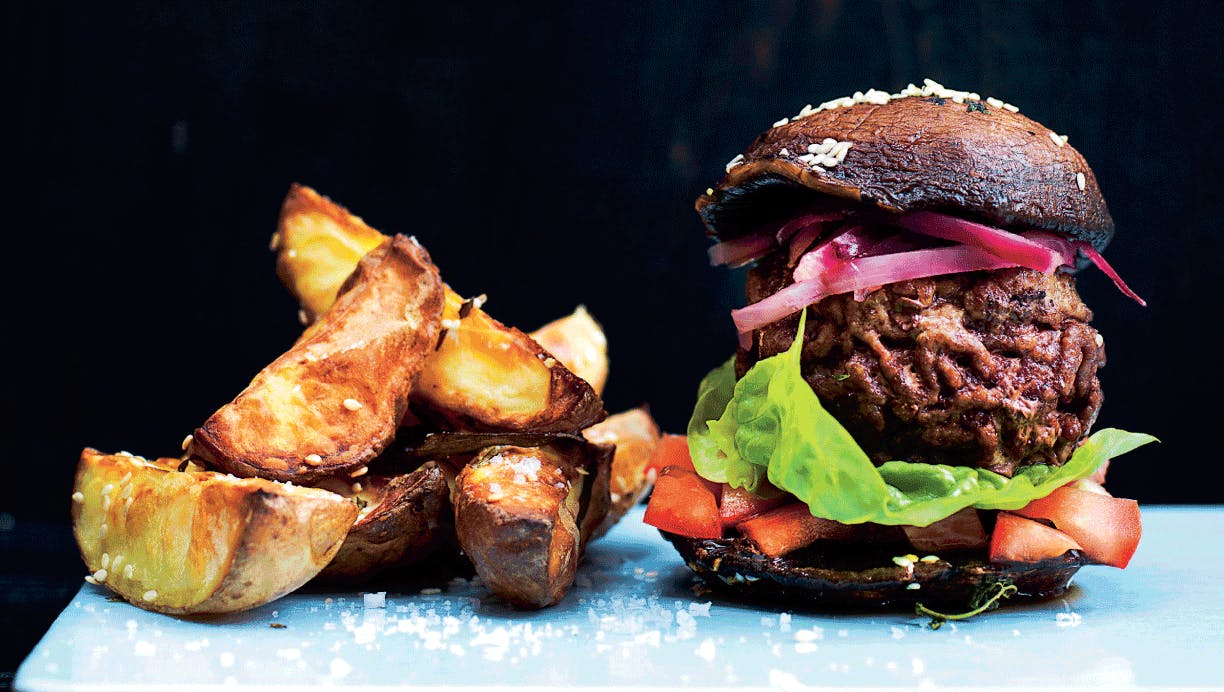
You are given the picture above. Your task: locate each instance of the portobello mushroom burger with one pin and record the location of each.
(908, 414)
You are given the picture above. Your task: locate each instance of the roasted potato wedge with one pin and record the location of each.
(403, 519)
(200, 542)
(483, 375)
(333, 401)
(635, 434)
(486, 376)
(579, 343)
(524, 515)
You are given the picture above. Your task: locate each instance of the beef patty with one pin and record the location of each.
(989, 369)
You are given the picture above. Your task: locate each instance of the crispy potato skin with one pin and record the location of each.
(367, 348)
(408, 517)
(200, 542)
(635, 436)
(579, 343)
(484, 376)
(519, 516)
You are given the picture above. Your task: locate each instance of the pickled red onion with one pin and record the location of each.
(1101, 264)
(996, 241)
(740, 250)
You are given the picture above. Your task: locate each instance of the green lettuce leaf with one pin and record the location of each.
(771, 425)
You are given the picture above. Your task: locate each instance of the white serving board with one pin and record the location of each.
(633, 620)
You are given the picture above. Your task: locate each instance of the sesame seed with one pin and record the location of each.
(274, 242)
(815, 149)
(929, 559)
(1056, 139)
(784, 152)
(124, 453)
(549, 362)
(116, 563)
(479, 301)
(1064, 138)
(903, 562)
(353, 405)
(129, 570)
(914, 586)
(106, 503)
(102, 530)
(356, 487)
(106, 489)
(781, 122)
(828, 161)
(1080, 181)
(89, 578)
(360, 472)
(450, 324)
(739, 159)
(291, 253)
(992, 101)
(314, 459)
(186, 441)
(126, 477)
(105, 560)
(303, 317)
(78, 496)
(1100, 341)
(100, 575)
(150, 595)
(911, 557)
(709, 192)
(807, 158)
(1009, 107)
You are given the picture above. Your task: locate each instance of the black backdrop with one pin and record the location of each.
(547, 156)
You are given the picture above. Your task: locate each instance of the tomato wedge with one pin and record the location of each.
(961, 531)
(672, 450)
(683, 503)
(738, 505)
(792, 527)
(1107, 527)
(1016, 539)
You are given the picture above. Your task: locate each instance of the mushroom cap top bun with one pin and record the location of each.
(923, 149)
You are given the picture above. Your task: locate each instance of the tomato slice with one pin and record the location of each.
(792, 527)
(1107, 527)
(961, 531)
(683, 503)
(1016, 539)
(738, 505)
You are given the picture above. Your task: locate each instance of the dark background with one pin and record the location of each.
(546, 156)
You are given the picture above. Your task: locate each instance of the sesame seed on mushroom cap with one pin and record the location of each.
(926, 147)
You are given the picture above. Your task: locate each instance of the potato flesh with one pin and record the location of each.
(483, 368)
(190, 542)
(579, 343)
